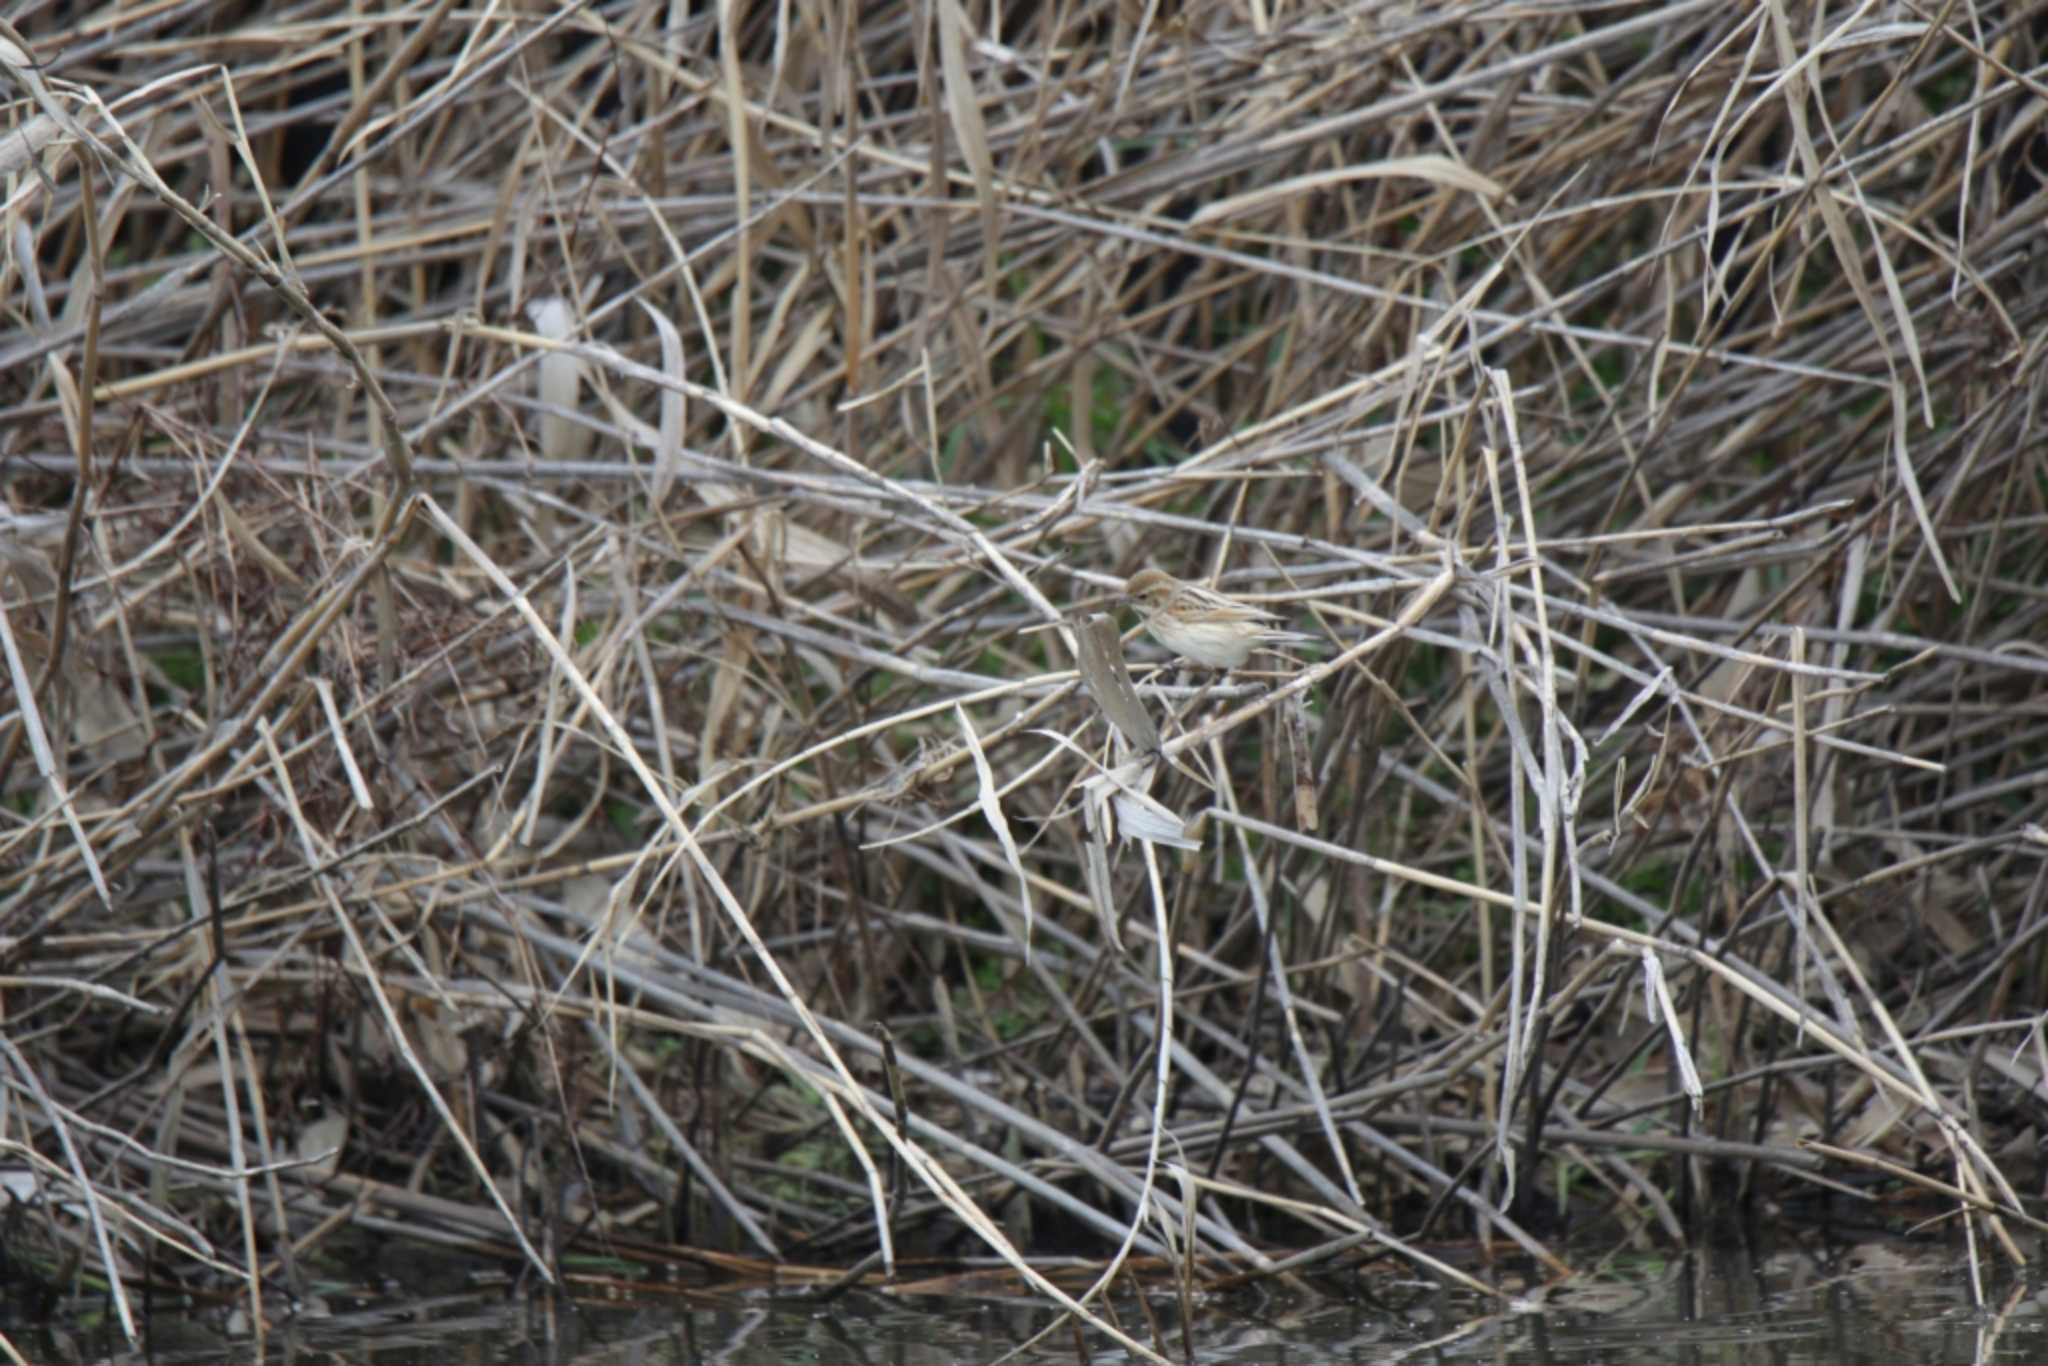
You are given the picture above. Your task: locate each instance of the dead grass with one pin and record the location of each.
(545, 553)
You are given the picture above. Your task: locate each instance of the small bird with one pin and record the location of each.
(1201, 624)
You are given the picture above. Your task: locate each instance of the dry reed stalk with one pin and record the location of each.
(546, 799)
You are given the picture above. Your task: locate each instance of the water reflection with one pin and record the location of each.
(1873, 1303)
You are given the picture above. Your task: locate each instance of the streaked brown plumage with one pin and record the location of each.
(1201, 624)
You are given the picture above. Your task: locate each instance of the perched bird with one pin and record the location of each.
(1201, 624)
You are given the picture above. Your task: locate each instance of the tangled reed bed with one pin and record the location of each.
(547, 551)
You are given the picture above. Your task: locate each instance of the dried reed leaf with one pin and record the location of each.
(320, 1143)
(561, 377)
(992, 812)
(1437, 170)
(668, 449)
(21, 147)
(1101, 661)
(963, 109)
(46, 758)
